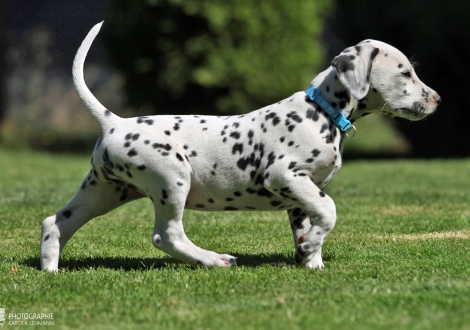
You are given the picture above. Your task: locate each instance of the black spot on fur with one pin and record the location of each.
(237, 147)
(361, 106)
(271, 159)
(343, 96)
(312, 114)
(294, 116)
(164, 194)
(263, 192)
(259, 180)
(167, 147)
(230, 208)
(46, 238)
(292, 165)
(315, 152)
(167, 132)
(235, 135)
(132, 153)
(371, 60)
(141, 167)
(124, 195)
(343, 63)
(276, 120)
(322, 194)
(180, 158)
(67, 214)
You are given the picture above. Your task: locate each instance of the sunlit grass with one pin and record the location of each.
(397, 259)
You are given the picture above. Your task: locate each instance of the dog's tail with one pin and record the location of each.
(99, 111)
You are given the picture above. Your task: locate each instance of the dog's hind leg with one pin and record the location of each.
(94, 198)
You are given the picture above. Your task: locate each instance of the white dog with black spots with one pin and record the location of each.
(280, 157)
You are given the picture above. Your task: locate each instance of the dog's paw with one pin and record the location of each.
(229, 260)
(309, 255)
(315, 263)
(218, 260)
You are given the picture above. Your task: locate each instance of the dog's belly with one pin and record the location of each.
(242, 198)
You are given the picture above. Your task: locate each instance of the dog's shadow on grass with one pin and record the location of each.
(142, 264)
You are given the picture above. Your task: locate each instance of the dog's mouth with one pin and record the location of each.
(417, 111)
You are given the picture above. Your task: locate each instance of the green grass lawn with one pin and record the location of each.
(399, 257)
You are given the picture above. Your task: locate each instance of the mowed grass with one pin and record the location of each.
(397, 259)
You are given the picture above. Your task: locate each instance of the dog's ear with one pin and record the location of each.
(353, 67)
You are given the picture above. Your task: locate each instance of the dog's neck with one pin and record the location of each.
(341, 99)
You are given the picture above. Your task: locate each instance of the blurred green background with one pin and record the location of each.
(221, 57)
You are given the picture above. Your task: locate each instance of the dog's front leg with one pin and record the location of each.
(311, 222)
(300, 225)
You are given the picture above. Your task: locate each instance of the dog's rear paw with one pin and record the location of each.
(229, 260)
(221, 260)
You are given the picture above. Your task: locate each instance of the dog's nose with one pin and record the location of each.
(437, 98)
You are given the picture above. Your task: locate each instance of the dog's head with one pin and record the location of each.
(382, 75)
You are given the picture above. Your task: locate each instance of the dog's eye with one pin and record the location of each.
(406, 74)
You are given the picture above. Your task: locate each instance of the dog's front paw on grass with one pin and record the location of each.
(309, 256)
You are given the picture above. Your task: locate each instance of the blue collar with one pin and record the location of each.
(338, 118)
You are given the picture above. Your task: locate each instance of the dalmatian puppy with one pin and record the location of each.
(280, 157)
